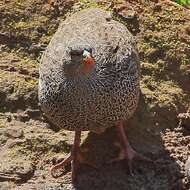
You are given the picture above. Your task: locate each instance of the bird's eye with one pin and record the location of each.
(89, 49)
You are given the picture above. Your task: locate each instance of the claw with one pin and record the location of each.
(57, 170)
(75, 158)
(127, 153)
(60, 167)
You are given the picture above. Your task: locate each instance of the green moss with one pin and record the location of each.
(19, 85)
(45, 39)
(3, 109)
(183, 2)
(38, 145)
(184, 65)
(20, 25)
(28, 63)
(88, 4)
(2, 126)
(162, 94)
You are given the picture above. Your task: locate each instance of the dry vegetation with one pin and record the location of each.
(162, 31)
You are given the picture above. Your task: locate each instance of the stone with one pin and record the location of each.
(14, 132)
(187, 168)
(184, 119)
(15, 169)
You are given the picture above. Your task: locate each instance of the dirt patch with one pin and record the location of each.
(28, 143)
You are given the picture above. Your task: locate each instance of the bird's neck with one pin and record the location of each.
(82, 72)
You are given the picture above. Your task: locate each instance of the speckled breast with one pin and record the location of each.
(92, 107)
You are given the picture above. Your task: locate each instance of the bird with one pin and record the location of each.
(89, 80)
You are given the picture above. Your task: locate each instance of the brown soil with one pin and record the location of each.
(28, 143)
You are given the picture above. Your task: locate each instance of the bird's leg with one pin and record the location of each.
(75, 157)
(75, 153)
(127, 151)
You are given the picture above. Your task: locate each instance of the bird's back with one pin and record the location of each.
(111, 93)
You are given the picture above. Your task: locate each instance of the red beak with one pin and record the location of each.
(89, 60)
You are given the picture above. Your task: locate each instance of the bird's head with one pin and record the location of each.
(81, 62)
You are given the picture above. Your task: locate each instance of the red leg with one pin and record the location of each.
(127, 151)
(75, 153)
(75, 157)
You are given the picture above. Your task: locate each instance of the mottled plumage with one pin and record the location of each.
(99, 98)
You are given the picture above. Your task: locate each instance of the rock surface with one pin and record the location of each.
(187, 168)
(184, 119)
(28, 143)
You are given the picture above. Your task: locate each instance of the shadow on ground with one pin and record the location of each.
(145, 139)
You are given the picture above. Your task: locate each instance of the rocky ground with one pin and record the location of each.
(28, 143)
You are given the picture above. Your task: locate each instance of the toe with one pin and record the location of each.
(57, 171)
(130, 166)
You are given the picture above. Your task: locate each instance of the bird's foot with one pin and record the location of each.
(129, 155)
(57, 170)
(75, 158)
